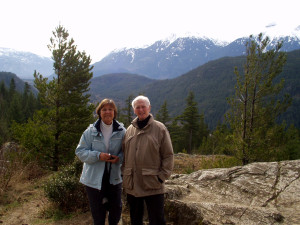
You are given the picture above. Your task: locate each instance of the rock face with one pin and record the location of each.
(258, 193)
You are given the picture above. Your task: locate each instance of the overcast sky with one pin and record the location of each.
(99, 26)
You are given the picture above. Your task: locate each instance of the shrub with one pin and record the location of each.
(64, 189)
(11, 162)
(219, 161)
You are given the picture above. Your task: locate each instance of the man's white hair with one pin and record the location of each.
(140, 97)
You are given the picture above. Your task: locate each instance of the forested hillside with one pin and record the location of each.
(6, 78)
(211, 83)
(117, 86)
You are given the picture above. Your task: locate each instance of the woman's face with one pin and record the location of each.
(107, 114)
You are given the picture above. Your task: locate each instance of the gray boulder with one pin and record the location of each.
(258, 193)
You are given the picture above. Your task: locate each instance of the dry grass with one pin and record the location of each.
(24, 201)
(185, 163)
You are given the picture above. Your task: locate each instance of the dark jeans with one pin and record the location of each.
(155, 208)
(114, 206)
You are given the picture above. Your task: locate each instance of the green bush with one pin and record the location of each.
(11, 162)
(64, 189)
(220, 161)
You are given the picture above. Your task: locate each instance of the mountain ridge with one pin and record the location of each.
(24, 63)
(163, 59)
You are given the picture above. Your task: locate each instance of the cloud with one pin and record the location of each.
(271, 25)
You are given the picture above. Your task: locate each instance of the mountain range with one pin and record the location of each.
(23, 64)
(164, 59)
(167, 59)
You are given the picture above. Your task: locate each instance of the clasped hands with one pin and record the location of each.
(108, 157)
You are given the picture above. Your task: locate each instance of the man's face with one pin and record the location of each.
(141, 109)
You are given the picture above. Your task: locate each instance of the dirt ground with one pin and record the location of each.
(30, 209)
(25, 204)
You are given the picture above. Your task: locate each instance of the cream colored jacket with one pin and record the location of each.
(148, 155)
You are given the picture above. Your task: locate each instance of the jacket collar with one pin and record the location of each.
(116, 125)
(135, 124)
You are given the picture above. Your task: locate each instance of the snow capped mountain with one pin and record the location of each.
(175, 56)
(17, 54)
(164, 59)
(23, 64)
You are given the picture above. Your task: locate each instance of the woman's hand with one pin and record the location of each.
(109, 158)
(113, 159)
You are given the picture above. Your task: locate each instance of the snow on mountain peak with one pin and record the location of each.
(7, 51)
(169, 40)
(19, 54)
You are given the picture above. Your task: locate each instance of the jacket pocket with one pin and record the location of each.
(150, 179)
(128, 178)
(98, 145)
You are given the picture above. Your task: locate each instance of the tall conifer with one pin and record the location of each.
(65, 99)
(190, 120)
(254, 108)
(163, 114)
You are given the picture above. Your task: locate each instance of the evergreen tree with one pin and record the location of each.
(218, 142)
(3, 100)
(15, 108)
(291, 149)
(12, 89)
(254, 108)
(163, 114)
(190, 119)
(177, 136)
(203, 131)
(127, 117)
(3, 113)
(66, 110)
(29, 102)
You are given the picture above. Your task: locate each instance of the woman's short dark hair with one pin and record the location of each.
(104, 102)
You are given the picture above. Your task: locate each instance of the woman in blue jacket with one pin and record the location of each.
(100, 150)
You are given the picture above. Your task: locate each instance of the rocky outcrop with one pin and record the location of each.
(258, 193)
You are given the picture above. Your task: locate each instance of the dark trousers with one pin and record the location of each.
(155, 209)
(114, 207)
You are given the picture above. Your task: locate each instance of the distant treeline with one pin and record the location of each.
(15, 107)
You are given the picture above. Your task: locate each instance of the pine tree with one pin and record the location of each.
(126, 118)
(3, 100)
(190, 120)
(14, 104)
(65, 99)
(177, 136)
(3, 113)
(29, 102)
(163, 114)
(12, 89)
(254, 108)
(217, 142)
